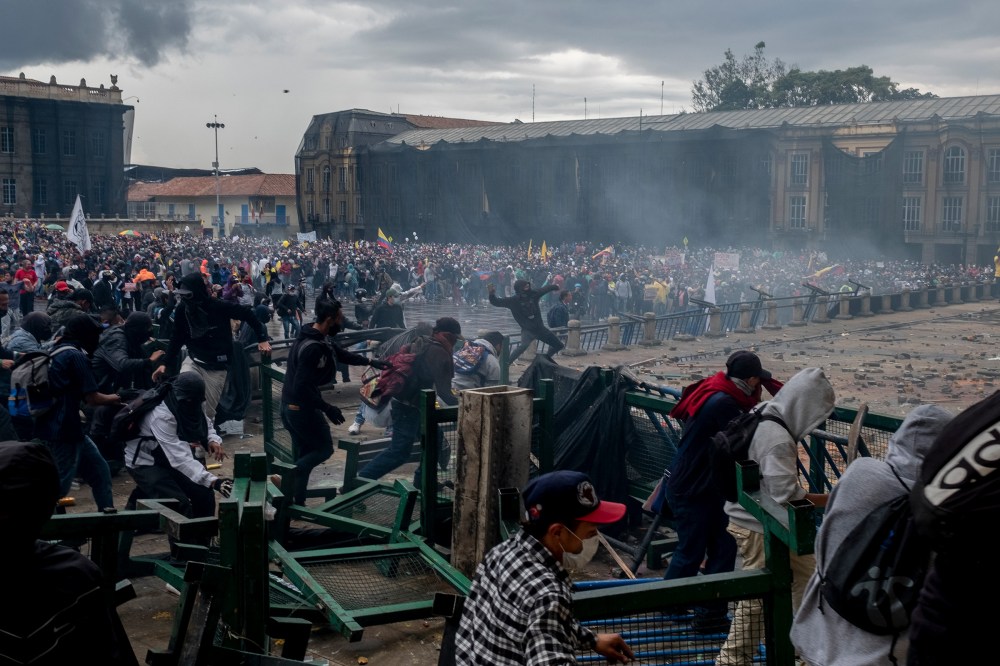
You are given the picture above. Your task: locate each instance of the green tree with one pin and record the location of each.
(738, 84)
(755, 83)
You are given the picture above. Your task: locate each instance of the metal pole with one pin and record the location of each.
(216, 126)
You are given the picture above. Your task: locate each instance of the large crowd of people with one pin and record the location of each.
(134, 271)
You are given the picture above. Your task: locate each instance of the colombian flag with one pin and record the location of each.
(383, 241)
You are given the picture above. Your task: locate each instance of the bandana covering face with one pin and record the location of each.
(195, 304)
(186, 400)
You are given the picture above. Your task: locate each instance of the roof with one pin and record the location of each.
(947, 108)
(440, 122)
(256, 185)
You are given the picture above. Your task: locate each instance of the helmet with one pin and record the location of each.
(360, 294)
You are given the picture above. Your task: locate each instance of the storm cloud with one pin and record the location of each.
(60, 31)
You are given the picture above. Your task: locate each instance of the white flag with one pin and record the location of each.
(710, 286)
(77, 232)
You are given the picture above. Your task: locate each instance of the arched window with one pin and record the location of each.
(326, 178)
(954, 165)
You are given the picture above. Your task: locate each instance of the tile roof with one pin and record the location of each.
(946, 108)
(255, 185)
(440, 122)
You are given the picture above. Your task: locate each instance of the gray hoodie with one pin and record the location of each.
(820, 635)
(803, 404)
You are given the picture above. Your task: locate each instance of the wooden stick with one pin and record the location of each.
(614, 555)
(855, 433)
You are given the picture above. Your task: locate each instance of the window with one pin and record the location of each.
(799, 171)
(342, 179)
(69, 192)
(796, 212)
(993, 214)
(954, 165)
(951, 218)
(342, 213)
(326, 179)
(764, 164)
(97, 195)
(6, 140)
(69, 143)
(9, 192)
(38, 140)
(911, 213)
(993, 165)
(326, 210)
(873, 161)
(310, 208)
(358, 217)
(41, 192)
(913, 167)
(309, 179)
(98, 144)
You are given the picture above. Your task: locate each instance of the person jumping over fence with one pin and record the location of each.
(523, 305)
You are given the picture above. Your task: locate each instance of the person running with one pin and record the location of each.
(523, 305)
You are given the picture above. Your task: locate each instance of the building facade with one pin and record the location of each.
(913, 179)
(326, 166)
(58, 141)
(260, 205)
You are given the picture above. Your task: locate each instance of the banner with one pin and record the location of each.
(309, 237)
(727, 261)
(673, 258)
(77, 232)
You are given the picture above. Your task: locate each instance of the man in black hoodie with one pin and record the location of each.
(524, 307)
(312, 363)
(202, 323)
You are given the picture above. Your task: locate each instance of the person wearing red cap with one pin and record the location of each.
(519, 609)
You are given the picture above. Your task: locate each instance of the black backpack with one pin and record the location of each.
(732, 445)
(957, 492)
(874, 577)
(127, 421)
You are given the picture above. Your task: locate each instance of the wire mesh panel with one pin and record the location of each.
(676, 637)
(368, 582)
(378, 508)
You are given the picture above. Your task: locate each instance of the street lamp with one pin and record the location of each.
(218, 205)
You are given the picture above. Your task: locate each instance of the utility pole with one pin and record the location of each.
(216, 125)
(661, 98)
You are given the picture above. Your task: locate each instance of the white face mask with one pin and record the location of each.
(579, 561)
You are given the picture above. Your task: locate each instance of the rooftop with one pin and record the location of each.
(946, 108)
(21, 86)
(256, 185)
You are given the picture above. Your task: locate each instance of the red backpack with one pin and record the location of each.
(401, 380)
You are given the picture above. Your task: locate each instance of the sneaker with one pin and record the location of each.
(354, 429)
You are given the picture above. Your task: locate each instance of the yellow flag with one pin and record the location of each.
(529, 248)
(545, 252)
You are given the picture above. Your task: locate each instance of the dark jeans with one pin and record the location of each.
(528, 338)
(27, 303)
(83, 456)
(405, 432)
(312, 441)
(160, 482)
(701, 531)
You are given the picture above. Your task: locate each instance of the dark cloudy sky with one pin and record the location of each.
(189, 59)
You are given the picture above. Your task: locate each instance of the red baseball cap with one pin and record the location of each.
(62, 286)
(567, 495)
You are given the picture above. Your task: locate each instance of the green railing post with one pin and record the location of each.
(546, 425)
(267, 405)
(428, 464)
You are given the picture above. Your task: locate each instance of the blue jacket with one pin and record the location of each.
(691, 469)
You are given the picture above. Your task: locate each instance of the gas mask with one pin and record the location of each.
(579, 561)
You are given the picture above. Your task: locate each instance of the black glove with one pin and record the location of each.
(379, 365)
(334, 414)
(223, 486)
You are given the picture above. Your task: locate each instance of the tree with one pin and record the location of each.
(738, 84)
(755, 83)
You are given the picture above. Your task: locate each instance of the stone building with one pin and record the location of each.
(917, 179)
(57, 141)
(326, 166)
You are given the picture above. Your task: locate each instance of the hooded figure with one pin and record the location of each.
(195, 298)
(35, 329)
(820, 635)
(83, 331)
(184, 400)
(120, 361)
(53, 581)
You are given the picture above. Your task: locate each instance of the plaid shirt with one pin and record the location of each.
(518, 611)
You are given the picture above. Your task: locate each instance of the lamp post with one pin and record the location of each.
(216, 126)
